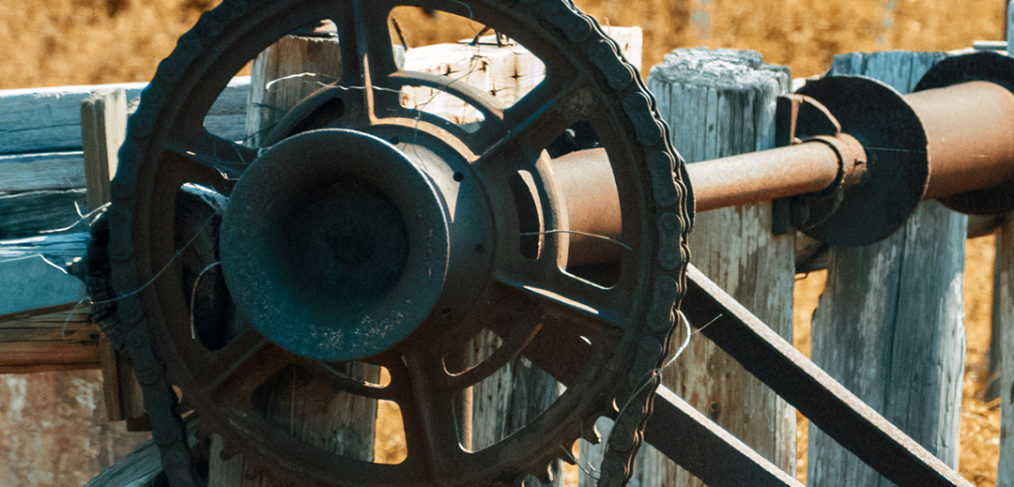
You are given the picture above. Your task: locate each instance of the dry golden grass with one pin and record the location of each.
(60, 42)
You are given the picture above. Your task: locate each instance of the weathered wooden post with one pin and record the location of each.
(282, 75)
(720, 103)
(1003, 322)
(890, 324)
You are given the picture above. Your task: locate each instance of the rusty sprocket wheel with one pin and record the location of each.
(483, 276)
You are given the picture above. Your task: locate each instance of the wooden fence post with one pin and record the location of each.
(279, 80)
(1010, 28)
(1003, 322)
(720, 103)
(890, 324)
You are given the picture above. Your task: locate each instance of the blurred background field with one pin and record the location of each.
(69, 42)
(61, 42)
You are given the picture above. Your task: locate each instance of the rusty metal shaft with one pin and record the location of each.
(969, 146)
(809, 167)
(968, 134)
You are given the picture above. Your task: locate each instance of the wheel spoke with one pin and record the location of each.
(244, 364)
(514, 335)
(226, 159)
(532, 124)
(569, 301)
(431, 425)
(367, 55)
(329, 373)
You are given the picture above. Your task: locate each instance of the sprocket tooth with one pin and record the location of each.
(225, 451)
(590, 431)
(254, 469)
(545, 475)
(228, 453)
(204, 431)
(568, 456)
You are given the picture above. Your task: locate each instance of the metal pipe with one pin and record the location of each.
(969, 147)
(737, 180)
(968, 134)
(809, 167)
(593, 205)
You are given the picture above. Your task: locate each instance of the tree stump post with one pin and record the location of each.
(720, 103)
(890, 324)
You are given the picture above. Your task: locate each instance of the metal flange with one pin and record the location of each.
(897, 166)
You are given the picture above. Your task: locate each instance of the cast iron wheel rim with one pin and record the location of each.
(167, 147)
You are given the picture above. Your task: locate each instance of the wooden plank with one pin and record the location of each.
(44, 326)
(889, 326)
(721, 103)
(1003, 324)
(227, 115)
(61, 248)
(33, 282)
(64, 340)
(46, 119)
(39, 171)
(30, 213)
(141, 467)
(49, 119)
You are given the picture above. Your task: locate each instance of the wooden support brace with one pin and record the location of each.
(103, 129)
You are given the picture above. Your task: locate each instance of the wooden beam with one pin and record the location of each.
(42, 171)
(49, 119)
(58, 341)
(63, 249)
(33, 282)
(44, 326)
(29, 213)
